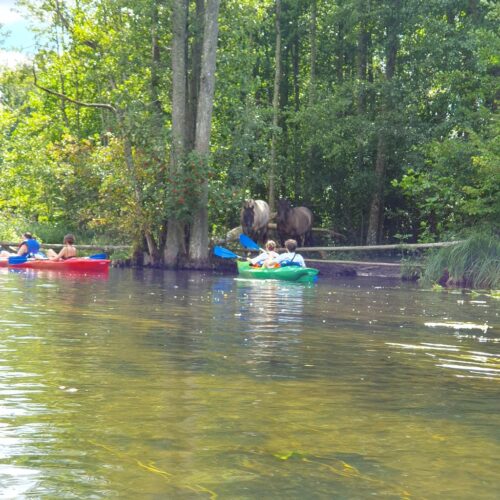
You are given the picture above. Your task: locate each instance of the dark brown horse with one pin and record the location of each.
(294, 223)
(254, 219)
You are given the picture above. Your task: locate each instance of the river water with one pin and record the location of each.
(158, 385)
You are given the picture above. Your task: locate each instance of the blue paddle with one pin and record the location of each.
(248, 243)
(224, 253)
(98, 256)
(18, 259)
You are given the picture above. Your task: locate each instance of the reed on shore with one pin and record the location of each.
(473, 263)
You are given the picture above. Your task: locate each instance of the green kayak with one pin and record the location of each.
(288, 273)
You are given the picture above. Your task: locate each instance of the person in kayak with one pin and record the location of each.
(29, 247)
(67, 252)
(289, 258)
(269, 254)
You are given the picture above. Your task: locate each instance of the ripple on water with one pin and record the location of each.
(17, 481)
(459, 326)
(458, 359)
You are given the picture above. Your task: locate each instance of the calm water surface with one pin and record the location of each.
(190, 385)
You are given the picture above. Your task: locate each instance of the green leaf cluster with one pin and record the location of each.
(411, 85)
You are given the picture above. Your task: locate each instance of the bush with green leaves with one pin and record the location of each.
(472, 263)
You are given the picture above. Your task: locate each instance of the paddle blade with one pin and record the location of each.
(224, 253)
(18, 259)
(247, 242)
(98, 256)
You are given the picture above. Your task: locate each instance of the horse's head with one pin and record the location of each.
(247, 214)
(284, 206)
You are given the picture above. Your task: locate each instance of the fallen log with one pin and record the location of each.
(399, 246)
(54, 246)
(234, 234)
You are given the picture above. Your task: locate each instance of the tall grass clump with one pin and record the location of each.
(472, 263)
(411, 269)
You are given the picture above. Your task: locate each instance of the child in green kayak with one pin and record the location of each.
(269, 254)
(289, 258)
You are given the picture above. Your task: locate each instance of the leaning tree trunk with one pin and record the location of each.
(198, 244)
(175, 230)
(377, 203)
(276, 97)
(375, 219)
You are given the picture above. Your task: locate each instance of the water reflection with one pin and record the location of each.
(271, 321)
(54, 274)
(271, 306)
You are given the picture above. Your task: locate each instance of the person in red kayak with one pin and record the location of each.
(67, 252)
(29, 247)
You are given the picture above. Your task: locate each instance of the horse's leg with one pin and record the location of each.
(308, 238)
(256, 235)
(282, 237)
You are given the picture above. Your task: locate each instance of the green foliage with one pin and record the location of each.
(12, 227)
(105, 174)
(411, 269)
(474, 263)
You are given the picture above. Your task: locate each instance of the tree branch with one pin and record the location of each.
(109, 107)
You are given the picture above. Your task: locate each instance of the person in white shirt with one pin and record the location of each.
(269, 254)
(288, 258)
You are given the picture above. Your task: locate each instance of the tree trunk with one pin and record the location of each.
(296, 62)
(175, 232)
(375, 219)
(158, 150)
(312, 154)
(155, 66)
(362, 64)
(362, 53)
(276, 97)
(314, 52)
(339, 61)
(377, 203)
(194, 80)
(198, 244)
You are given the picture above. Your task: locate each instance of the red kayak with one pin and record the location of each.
(77, 264)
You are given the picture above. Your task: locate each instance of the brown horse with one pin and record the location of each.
(254, 219)
(294, 223)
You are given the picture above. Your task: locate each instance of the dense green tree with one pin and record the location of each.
(380, 116)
